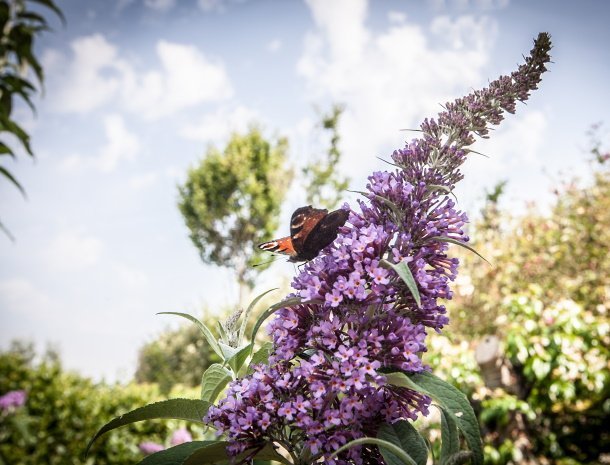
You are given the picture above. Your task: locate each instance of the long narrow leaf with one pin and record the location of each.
(12, 179)
(202, 327)
(270, 311)
(51, 5)
(6, 231)
(456, 242)
(175, 455)
(217, 454)
(178, 409)
(384, 446)
(6, 150)
(24, 138)
(244, 322)
(403, 270)
(391, 205)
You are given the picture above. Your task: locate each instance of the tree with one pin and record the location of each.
(19, 27)
(324, 187)
(231, 201)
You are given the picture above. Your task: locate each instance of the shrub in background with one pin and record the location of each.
(63, 410)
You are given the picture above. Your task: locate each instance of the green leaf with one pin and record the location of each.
(459, 458)
(262, 354)
(271, 310)
(405, 436)
(403, 270)
(216, 454)
(227, 352)
(11, 178)
(454, 402)
(175, 455)
(51, 5)
(6, 150)
(391, 205)
(450, 441)
(397, 457)
(35, 17)
(178, 409)
(244, 321)
(221, 331)
(6, 231)
(10, 126)
(204, 330)
(213, 382)
(389, 162)
(239, 358)
(456, 242)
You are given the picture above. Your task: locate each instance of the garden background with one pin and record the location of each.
(137, 92)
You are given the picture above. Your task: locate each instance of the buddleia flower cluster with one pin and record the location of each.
(367, 302)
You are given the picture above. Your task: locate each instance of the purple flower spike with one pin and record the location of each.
(324, 385)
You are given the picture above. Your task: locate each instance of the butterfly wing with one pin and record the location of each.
(324, 232)
(311, 229)
(281, 246)
(303, 222)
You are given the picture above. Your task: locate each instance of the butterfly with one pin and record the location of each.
(311, 229)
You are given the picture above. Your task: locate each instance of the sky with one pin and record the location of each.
(136, 90)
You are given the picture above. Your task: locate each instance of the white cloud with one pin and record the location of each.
(463, 33)
(274, 45)
(342, 22)
(98, 75)
(442, 5)
(143, 181)
(160, 5)
(387, 80)
(530, 129)
(131, 277)
(211, 5)
(88, 81)
(73, 251)
(217, 6)
(187, 78)
(215, 127)
(121, 144)
(23, 298)
(397, 17)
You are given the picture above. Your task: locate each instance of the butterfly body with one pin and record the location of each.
(311, 229)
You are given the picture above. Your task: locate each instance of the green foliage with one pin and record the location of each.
(19, 28)
(560, 353)
(236, 359)
(231, 200)
(63, 412)
(565, 253)
(546, 296)
(175, 357)
(324, 186)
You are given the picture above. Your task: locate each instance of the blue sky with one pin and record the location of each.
(137, 89)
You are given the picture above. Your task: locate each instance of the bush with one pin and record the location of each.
(546, 296)
(64, 410)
